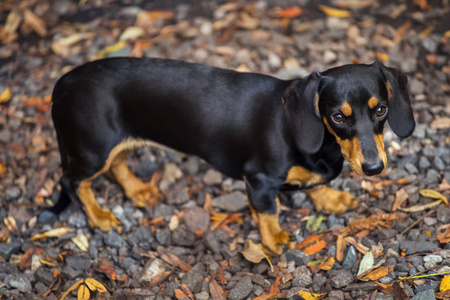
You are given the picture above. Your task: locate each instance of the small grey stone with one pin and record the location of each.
(183, 237)
(416, 86)
(78, 262)
(211, 242)
(164, 236)
(386, 233)
(44, 276)
(415, 260)
(202, 296)
(127, 262)
(242, 289)
(163, 210)
(232, 202)
(413, 247)
(299, 257)
(435, 258)
(443, 253)
(336, 295)
(385, 297)
(432, 174)
(12, 193)
(425, 295)
(77, 219)
(112, 239)
(212, 177)
(350, 258)
(20, 282)
(196, 219)
(178, 194)
(70, 273)
(411, 169)
(8, 249)
(40, 287)
(298, 198)
(439, 163)
(258, 279)
(142, 237)
(194, 277)
(443, 215)
(341, 279)
(303, 280)
(424, 163)
(318, 281)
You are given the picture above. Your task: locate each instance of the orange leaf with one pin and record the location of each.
(444, 237)
(314, 243)
(274, 288)
(187, 291)
(216, 290)
(400, 198)
(290, 12)
(267, 296)
(165, 15)
(179, 294)
(322, 264)
(335, 12)
(376, 274)
(340, 247)
(108, 271)
(25, 261)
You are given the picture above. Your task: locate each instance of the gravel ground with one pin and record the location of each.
(172, 247)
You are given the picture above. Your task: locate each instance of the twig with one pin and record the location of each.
(417, 221)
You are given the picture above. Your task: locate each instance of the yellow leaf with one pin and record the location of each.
(2, 169)
(11, 224)
(72, 288)
(83, 293)
(335, 12)
(433, 195)
(53, 233)
(111, 49)
(255, 253)
(310, 296)
(5, 96)
(417, 208)
(81, 241)
(382, 56)
(376, 274)
(445, 284)
(95, 285)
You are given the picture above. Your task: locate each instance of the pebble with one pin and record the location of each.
(20, 282)
(8, 249)
(232, 202)
(202, 296)
(425, 295)
(182, 237)
(341, 279)
(12, 193)
(212, 177)
(78, 262)
(44, 276)
(443, 214)
(302, 280)
(112, 239)
(413, 247)
(242, 289)
(336, 295)
(194, 277)
(71, 273)
(196, 219)
(350, 258)
(299, 257)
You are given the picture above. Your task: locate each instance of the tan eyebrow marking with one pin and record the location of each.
(346, 109)
(389, 92)
(373, 102)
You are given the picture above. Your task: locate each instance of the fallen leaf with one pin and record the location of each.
(179, 294)
(132, 33)
(433, 195)
(444, 237)
(310, 296)
(216, 290)
(445, 284)
(366, 263)
(325, 264)
(255, 253)
(417, 208)
(95, 285)
(341, 243)
(26, 260)
(335, 12)
(5, 96)
(64, 45)
(58, 232)
(383, 56)
(83, 293)
(2, 168)
(290, 12)
(400, 197)
(164, 15)
(72, 288)
(373, 222)
(36, 23)
(275, 287)
(360, 247)
(443, 186)
(11, 224)
(187, 291)
(376, 274)
(314, 223)
(108, 271)
(11, 25)
(442, 295)
(314, 243)
(111, 49)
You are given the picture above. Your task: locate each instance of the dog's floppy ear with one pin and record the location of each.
(301, 108)
(401, 118)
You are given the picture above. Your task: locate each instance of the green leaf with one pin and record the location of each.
(314, 223)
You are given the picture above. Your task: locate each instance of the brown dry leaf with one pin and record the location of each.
(444, 237)
(417, 208)
(400, 197)
(12, 23)
(325, 264)
(83, 293)
(72, 288)
(314, 243)
(216, 290)
(208, 205)
(11, 224)
(373, 222)
(179, 294)
(376, 274)
(95, 285)
(442, 295)
(58, 232)
(443, 186)
(5, 96)
(132, 33)
(255, 253)
(4, 235)
(335, 12)
(36, 23)
(2, 169)
(187, 291)
(369, 187)
(385, 183)
(397, 289)
(25, 261)
(219, 220)
(108, 271)
(341, 244)
(248, 22)
(445, 284)
(160, 278)
(310, 296)
(263, 297)
(64, 45)
(360, 247)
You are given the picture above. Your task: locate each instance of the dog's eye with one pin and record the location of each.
(338, 118)
(381, 111)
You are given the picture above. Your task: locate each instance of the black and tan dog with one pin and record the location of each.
(267, 131)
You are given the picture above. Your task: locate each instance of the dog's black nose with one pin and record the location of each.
(373, 168)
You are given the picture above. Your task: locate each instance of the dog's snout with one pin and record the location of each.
(373, 168)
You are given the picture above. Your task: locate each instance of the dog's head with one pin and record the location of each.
(352, 102)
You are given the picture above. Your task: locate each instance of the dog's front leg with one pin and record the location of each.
(265, 206)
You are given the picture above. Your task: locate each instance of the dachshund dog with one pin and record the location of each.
(267, 131)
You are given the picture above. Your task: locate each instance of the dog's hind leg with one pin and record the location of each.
(142, 194)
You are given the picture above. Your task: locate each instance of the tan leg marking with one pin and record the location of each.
(332, 201)
(272, 236)
(303, 177)
(97, 217)
(142, 194)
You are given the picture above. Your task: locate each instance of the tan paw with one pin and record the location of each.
(332, 201)
(277, 242)
(148, 195)
(104, 220)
